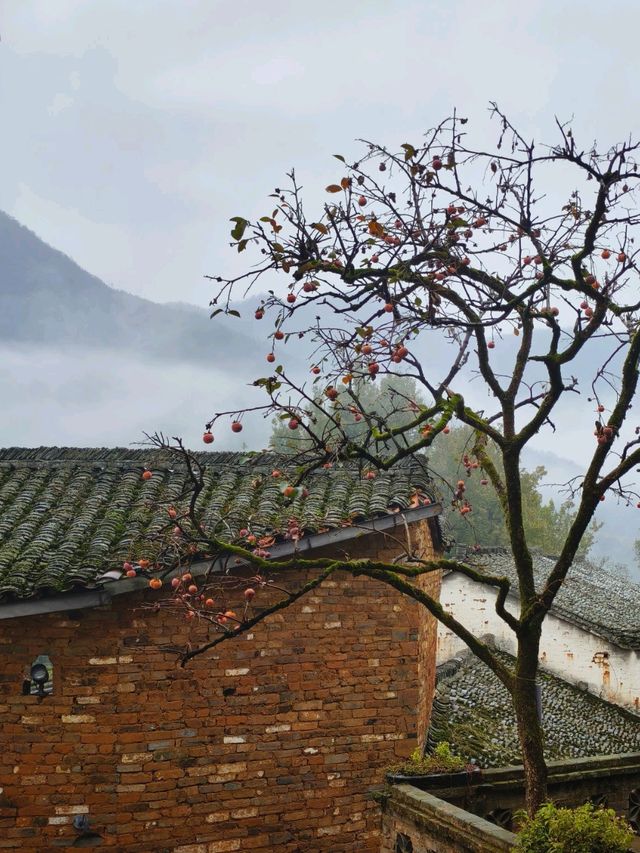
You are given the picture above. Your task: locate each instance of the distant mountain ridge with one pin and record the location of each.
(46, 298)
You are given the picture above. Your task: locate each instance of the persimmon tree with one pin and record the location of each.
(510, 269)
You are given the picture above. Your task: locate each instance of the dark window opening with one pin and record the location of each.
(403, 844)
(634, 810)
(501, 817)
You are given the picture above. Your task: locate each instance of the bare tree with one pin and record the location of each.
(524, 289)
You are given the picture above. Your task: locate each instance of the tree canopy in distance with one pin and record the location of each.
(546, 524)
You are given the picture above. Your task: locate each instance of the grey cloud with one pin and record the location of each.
(144, 126)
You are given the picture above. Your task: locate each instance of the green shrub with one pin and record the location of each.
(586, 829)
(441, 760)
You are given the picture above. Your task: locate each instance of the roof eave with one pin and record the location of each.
(101, 595)
(65, 601)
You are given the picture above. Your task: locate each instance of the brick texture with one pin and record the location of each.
(270, 742)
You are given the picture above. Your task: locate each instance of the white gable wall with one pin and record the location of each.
(566, 650)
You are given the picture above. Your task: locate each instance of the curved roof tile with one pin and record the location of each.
(473, 711)
(67, 515)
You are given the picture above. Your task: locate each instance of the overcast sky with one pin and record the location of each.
(133, 129)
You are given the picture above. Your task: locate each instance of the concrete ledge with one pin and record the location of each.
(452, 822)
(566, 766)
(435, 825)
(455, 821)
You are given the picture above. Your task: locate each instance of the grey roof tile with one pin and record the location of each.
(473, 712)
(67, 515)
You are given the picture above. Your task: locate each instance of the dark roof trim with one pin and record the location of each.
(55, 603)
(103, 594)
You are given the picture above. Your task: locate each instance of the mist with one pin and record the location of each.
(83, 397)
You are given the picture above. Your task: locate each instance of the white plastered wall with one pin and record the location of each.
(566, 650)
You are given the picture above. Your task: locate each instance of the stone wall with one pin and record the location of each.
(609, 779)
(272, 742)
(415, 821)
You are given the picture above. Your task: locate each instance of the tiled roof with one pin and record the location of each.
(473, 711)
(593, 598)
(68, 515)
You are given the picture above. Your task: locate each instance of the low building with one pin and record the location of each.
(271, 741)
(591, 636)
(473, 711)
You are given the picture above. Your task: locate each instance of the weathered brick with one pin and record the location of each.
(78, 718)
(186, 759)
(224, 846)
(81, 809)
(135, 757)
(217, 817)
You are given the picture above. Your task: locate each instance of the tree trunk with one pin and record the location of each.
(526, 705)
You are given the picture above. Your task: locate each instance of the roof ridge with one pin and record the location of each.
(45, 455)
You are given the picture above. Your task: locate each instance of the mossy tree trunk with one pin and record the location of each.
(526, 703)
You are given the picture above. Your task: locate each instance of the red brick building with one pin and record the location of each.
(270, 742)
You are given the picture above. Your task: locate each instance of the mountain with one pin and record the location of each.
(83, 363)
(46, 298)
(614, 542)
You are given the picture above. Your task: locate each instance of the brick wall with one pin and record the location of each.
(269, 743)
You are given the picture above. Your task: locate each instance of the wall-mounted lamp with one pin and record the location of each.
(86, 836)
(81, 822)
(39, 676)
(38, 679)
